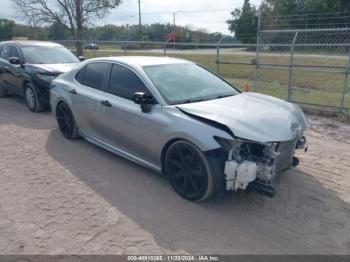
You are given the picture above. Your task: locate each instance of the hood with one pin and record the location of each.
(56, 68)
(253, 116)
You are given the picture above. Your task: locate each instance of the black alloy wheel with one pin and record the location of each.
(66, 121)
(188, 171)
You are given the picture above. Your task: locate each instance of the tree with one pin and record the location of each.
(6, 29)
(73, 14)
(244, 23)
(58, 31)
(291, 14)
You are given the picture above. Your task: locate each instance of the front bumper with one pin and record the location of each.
(256, 168)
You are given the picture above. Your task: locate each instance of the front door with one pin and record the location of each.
(16, 72)
(126, 126)
(5, 66)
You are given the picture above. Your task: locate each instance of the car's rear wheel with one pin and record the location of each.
(188, 171)
(32, 98)
(66, 122)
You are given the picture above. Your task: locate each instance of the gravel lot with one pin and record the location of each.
(64, 197)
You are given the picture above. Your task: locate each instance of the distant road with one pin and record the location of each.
(226, 51)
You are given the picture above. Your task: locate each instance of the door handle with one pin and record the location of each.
(106, 103)
(73, 91)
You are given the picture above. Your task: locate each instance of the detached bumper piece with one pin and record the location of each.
(258, 187)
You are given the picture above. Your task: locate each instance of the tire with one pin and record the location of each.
(3, 92)
(66, 122)
(32, 98)
(188, 171)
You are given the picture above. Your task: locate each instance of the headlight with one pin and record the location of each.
(226, 144)
(302, 114)
(46, 78)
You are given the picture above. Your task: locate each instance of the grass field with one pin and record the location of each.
(322, 88)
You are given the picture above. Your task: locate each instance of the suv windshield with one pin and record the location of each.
(48, 55)
(187, 83)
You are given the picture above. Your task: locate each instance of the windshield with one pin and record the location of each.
(187, 83)
(48, 55)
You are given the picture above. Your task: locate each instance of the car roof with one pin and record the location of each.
(143, 60)
(30, 43)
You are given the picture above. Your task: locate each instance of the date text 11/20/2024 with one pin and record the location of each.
(173, 258)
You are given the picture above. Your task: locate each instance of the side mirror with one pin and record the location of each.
(15, 60)
(81, 58)
(144, 100)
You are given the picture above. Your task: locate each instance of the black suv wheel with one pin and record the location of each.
(32, 98)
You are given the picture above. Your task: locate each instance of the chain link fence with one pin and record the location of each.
(313, 64)
(307, 66)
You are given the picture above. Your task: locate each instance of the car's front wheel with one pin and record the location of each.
(189, 171)
(66, 122)
(32, 98)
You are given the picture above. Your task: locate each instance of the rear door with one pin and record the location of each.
(4, 65)
(87, 97)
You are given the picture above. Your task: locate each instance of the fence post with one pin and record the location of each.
(257, 59)
(290, 67)
(345, 87)
(94, 48)
(165, 46)
(218, 59)
(218, 55)
(125, 47)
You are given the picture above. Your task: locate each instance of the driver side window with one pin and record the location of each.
(14, 52)
(123, 82)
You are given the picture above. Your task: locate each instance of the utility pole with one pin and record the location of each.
(174, 22)
(140, 26)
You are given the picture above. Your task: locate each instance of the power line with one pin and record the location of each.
(169, 13)
(184, 12)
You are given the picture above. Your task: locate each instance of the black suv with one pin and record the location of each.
(91, 46)
(28, 67)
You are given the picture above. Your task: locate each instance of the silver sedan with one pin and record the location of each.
(181, 120)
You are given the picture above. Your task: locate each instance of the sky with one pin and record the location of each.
(208, 14)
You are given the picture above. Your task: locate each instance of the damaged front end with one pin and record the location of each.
(253, 165)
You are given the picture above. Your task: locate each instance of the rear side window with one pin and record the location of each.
(124, 82)
(94, 75)
(80, 75)
(5, 52)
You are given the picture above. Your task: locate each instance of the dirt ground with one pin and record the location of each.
(64, 197)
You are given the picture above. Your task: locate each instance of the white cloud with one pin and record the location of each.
(153, 10)
(212, 21)
(7, 10)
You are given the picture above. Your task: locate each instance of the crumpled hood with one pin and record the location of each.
(253, 116)
(56, 68)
